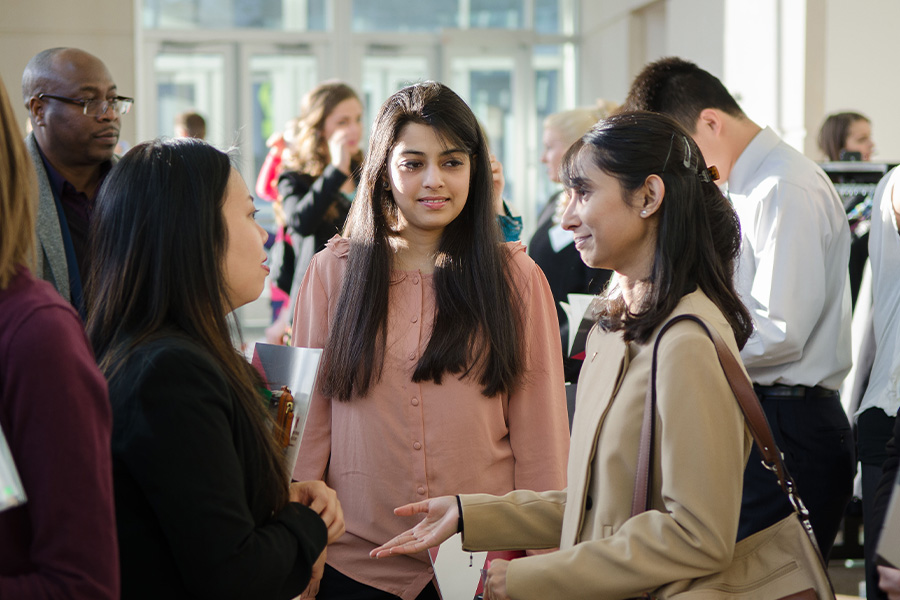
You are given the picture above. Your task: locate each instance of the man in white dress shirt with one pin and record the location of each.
(793, 277)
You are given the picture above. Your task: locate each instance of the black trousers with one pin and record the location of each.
(337, 586)
(873, 430)
(813, 432)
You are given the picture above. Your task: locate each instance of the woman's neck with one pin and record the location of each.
(416, 252)
(633, 291)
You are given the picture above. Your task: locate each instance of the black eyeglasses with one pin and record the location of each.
(96, 108)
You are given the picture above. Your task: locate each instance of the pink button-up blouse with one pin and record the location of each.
(406, 441)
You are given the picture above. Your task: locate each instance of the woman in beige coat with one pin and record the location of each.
(644, 204)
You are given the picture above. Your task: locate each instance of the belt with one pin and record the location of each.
(792, 391)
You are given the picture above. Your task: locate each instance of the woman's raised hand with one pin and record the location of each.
(441, 522)
(341, 150)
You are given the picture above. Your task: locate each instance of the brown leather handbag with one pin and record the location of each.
(781, 562)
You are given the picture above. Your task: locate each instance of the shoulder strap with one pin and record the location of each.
(746, 397)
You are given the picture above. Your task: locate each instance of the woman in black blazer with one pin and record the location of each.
(203, 505)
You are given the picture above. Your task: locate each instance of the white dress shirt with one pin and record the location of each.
(883, 390)
(792, 274)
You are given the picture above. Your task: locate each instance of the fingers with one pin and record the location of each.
(889, 581)
(323, 500)
(334, 520)
(405, 543)
(407, 510)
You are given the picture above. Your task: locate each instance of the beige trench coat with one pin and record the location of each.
(701, 448)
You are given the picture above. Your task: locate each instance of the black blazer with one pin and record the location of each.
(306, 200)
(189, 523)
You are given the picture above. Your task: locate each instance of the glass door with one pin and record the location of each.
(277, 79)
(511, 88)
(190, 77)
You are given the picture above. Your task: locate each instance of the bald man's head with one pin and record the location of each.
(56, 85)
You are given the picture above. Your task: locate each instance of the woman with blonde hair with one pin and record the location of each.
(551, 246)
(54, 413)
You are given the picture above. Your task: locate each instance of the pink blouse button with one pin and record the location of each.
(415, 280)
(421, 491)
(412, 356)
(417, 446)
(414, 401)
(415, 319)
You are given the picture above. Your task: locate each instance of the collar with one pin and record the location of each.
(57, 181)
(751, 158)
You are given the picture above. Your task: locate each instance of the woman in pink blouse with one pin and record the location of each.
(442, 364)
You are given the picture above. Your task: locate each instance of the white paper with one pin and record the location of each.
(11, 491)
(456, 571)
(297, 369)
(576, 308)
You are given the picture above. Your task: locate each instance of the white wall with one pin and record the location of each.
(788, 62)
(104, 28)
(863, 67)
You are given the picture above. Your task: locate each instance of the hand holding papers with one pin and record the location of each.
(11, 491)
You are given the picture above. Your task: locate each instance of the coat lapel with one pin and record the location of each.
(606, 363)
(52, 264)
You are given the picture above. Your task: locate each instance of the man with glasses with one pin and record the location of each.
(74, 109)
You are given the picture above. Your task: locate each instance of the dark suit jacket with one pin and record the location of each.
(190, 523)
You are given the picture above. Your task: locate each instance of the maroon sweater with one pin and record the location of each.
(54, 410)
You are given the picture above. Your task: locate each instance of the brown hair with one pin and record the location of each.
(834, 132)
(193, 123)
(18, 196)
(308, 151)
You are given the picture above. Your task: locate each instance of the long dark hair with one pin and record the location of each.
(158, 242)
(477, 329)
(699, 236)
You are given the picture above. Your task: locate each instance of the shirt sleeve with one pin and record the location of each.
(701, 452)
(310, 330)
(181, 451)
(788, 289)
(538, 417)
(59, 434)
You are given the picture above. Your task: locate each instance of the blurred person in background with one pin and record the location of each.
(551, 246)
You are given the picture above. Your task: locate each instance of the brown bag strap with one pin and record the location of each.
(750, 406)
